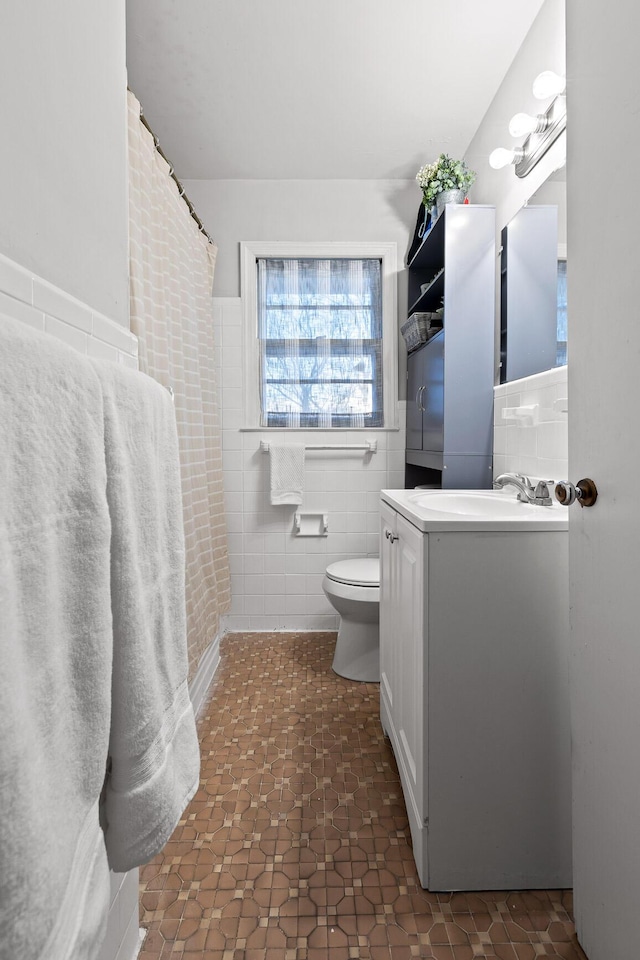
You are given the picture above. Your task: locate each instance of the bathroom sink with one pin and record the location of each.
(481, 503)
(474, 510)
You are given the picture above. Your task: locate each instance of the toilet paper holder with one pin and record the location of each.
(310, 524)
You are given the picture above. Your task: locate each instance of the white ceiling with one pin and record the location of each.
(318, 89)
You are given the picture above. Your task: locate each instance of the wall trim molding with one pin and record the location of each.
(27, 297)
(204, 675)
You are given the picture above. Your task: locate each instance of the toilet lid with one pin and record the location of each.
(360, 573)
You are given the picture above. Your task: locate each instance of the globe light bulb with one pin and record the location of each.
(521, 125)
(501, 157)
(548, 84)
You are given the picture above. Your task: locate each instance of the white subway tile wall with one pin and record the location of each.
(276, 577)
(27, 297)
(530, 426)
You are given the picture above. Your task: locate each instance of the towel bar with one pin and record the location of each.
(370, 447)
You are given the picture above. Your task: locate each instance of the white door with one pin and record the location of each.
(603, 148)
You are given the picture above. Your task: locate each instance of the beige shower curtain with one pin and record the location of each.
(171, 267)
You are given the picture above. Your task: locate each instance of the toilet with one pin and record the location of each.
(352, 587)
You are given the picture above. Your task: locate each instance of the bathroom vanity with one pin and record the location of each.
(474, 684)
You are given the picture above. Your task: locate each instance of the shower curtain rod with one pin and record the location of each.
(156, 143)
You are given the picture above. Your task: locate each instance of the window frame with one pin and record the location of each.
(251, 252)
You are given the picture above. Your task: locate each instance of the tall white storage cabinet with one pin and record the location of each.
(474, 697)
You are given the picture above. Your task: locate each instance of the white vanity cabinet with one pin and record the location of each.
(474, 696)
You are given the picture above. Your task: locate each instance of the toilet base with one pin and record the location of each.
(357, 653)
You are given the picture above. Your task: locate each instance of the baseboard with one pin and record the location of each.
(121, 940)
(204, 675)
(245, 630)
(142, 935)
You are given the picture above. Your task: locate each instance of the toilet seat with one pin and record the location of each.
(364, 572)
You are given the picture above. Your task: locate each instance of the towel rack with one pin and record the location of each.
(371, 446)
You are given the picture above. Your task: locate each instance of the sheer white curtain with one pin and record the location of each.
(171, 276)
(320, 336)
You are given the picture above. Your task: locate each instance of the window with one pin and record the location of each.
(321, 331)
(320, 343)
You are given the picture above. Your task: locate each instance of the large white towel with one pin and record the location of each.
(55, 650)
(154, 755)
(287, 472)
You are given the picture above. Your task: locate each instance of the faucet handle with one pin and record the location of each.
(542, 494)
(526, 481)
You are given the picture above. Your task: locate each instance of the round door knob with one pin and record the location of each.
(585, 492)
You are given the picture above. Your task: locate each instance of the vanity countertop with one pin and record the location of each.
(474, 510)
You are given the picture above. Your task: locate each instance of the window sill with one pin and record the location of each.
(366, 430)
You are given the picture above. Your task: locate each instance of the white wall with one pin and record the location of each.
(542, 49)
(235, 210)
(530, 426)
(276, 578)
(63, 164)
(537, 448)
(64, 215)
(32, 300)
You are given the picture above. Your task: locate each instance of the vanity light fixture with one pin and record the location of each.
(548, 84)
(540, 131)
(523, 124)
(502, 157)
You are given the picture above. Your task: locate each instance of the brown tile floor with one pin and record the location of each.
(297, 847)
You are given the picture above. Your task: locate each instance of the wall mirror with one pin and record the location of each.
(533, 283)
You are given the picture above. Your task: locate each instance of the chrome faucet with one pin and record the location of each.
(526, 492)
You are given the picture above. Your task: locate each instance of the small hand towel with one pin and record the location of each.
(55, 649)
(287, 472)
(153, 748)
